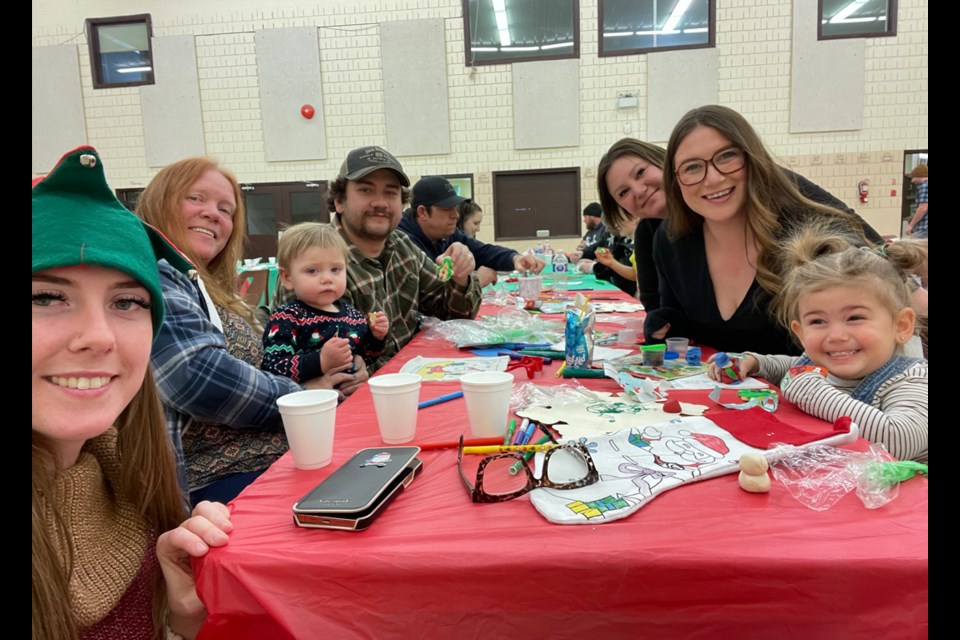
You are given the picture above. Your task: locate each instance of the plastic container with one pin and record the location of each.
(653, 354)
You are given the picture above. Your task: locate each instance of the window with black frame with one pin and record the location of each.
(120, 51)
(502, 31)
(642, 26)
(856, 19)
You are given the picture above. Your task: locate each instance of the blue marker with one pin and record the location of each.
(528, 433)
(439, 399)
(527, 345)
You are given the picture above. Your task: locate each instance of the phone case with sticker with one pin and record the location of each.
(354, 495)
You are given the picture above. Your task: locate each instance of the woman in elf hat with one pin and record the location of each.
(221, 408)
(104, 479)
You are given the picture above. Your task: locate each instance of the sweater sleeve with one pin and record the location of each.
(897, 419)
(648, 283)
(282, 354)
(773, 367)
(196, 375)
(487, 255)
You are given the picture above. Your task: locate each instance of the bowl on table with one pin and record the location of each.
(251, 262)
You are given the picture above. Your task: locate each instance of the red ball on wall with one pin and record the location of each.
(307, 111)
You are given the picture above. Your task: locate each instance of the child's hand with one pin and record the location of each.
(335, 353)
(748, 364)
(604, 256)
(379, 325)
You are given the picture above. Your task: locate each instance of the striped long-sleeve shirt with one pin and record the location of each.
(896, 415)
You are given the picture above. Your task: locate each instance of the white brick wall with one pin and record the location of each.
(753, 43)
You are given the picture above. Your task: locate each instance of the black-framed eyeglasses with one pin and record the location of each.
(694, 171)
(506, 476)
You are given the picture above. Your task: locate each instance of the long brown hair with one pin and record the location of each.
(613, 214)
(774, 204)
(148, 479)
(160, 205)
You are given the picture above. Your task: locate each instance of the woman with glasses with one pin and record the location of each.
(630, 186)
(729, 207)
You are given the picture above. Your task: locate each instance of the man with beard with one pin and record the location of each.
(386, 271)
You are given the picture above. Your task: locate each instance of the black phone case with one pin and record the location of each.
(354, 495)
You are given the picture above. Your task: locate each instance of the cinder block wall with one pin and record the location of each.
(754, 49)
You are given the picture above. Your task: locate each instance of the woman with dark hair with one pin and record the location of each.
(630, 184)
(729, 208)
(471, 217)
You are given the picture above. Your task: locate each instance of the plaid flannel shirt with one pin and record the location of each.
(403, 283)
(197, 378)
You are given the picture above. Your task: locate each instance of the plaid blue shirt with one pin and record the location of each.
(920, 229)
(198, 379)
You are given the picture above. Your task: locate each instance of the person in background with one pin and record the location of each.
(729, 208)
(387, 271)
(630, 184)
(221, 408)
(850, 309)
(471, 217)
(612, 258)
(431, 223)
(317, 332)
(111, 540)
(917, 226)
(596, 231)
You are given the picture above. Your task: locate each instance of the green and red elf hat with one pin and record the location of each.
(77, 220)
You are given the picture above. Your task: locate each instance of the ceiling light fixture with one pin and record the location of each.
(134, 69)
(556, 45)
(500, 11)
(671, 24)
(841, 16)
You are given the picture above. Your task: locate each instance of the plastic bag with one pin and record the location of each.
(509, 325)
(819, 475)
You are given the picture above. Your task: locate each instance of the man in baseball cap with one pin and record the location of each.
(386, 271)
(431, 222)
(365, 160)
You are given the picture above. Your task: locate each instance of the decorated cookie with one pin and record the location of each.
(445, 268)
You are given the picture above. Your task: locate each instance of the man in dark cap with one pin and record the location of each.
(431, 223)
(386, 271)
(593, 221)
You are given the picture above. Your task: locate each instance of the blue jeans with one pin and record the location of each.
(225, 489)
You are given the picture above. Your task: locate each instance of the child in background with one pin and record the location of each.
(850, 309)
(317, 332)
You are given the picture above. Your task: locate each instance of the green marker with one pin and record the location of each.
(513, 425)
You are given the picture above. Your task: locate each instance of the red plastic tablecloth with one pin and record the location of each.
(703, 560)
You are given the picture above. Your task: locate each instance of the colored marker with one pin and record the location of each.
(472, 442)
(525, 448)
(510, 429)
(439, 399)
(528, 433)
(515, 467)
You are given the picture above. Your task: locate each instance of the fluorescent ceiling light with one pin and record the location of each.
(134, 69)
(852, 7)
(556, 45)
(849, 20)
(519, 48)
(678, 12)
(618, 34)
(697, 30)
(484, 49)
(500, 11)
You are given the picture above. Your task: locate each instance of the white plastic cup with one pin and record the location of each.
(679, 345)
(395, 399)
(487, 394)
(529, 287)
(627, 337)
(636, 324)
(309, 418)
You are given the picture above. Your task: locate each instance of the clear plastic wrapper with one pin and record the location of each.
(530, 393)
(509, 325)
(818, 476)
